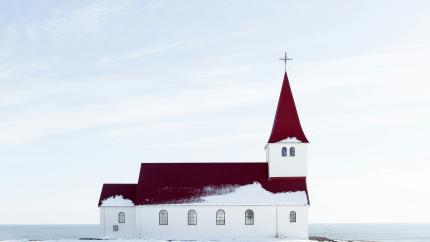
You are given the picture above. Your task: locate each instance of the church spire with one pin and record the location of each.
(286, 123)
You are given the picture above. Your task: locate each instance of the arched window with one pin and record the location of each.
(220, 217)
(292, 151)
(121, 217)
(192, 217)
(292, 217)
(249, 217)
(284, 151)
(163, 217)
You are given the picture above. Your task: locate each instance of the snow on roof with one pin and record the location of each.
(253, 194)
(182, 183)
(175, 183)
(117, 201)
(291, 140)
(127, 191)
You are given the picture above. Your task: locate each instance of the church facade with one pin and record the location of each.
(190, 201)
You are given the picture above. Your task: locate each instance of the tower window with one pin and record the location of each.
(121, 217)
(220, 217)
(292, 217)
(249, 217)
(192, 217)
(284, 151)
(292, 151)
(163, 217)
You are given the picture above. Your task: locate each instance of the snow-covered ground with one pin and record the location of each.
(149, 240)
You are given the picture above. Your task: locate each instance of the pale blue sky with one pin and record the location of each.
(89, 89)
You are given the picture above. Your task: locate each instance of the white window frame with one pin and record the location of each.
(163, 217)
(249, 217)
(192, 217)
(220, 217)
(293, 217)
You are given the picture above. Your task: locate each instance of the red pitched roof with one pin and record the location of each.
(286, 123)
(127, 191)
(169, 183)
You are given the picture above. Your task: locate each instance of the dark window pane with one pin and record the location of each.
(292, 151)
(249, 217)
(284, 151)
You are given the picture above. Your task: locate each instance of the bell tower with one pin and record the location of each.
(286, 150)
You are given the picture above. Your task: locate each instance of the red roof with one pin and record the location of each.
(286, 123)
(172, 183)
(127, 191)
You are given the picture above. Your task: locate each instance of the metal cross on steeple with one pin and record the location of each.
(285, 59)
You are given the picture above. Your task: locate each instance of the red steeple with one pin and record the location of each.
(286, 123)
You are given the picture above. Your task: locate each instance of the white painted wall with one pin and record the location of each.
(265, 222)
(299, 229)
(109, 217)
(143, 222)
(288, 166)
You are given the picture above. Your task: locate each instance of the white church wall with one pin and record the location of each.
(109, 218)
(206, 228)
(289, 166)
(299, 229)
(265, 220)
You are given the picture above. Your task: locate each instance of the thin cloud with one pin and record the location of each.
(137, 54)
(75, 23)
(149, 109)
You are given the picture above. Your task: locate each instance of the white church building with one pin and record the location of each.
(191, 201)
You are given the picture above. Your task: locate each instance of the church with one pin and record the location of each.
(210, 201)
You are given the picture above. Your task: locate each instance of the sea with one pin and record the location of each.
(346, 232)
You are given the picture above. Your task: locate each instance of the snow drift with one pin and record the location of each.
(251, 194)
(117, 201)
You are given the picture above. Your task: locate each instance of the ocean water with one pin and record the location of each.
(366, 232)
(373, 232)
